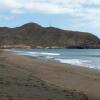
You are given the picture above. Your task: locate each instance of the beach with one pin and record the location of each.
(27, 78)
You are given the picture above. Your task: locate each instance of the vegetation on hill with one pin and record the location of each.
(32, 35)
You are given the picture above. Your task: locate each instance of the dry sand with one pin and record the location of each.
(24, 78)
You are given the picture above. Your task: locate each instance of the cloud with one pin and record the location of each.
(47, 6)
(87, 10)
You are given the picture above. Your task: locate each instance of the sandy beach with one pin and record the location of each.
(25, 78)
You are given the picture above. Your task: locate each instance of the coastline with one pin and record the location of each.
(64, 76)
(76, 57)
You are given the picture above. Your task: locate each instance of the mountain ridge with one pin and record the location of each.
(33, 35)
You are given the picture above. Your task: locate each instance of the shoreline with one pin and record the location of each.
(69, 61)
(65, 76)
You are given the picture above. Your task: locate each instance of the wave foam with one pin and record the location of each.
(75, 62)
(52, 54)
(37, 54)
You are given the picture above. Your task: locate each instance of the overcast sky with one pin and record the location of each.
(78, 15)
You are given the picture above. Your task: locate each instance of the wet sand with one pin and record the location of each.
(24, 78)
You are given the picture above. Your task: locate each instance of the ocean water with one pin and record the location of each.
(81, 57)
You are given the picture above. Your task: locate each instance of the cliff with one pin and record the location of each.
(32, 35)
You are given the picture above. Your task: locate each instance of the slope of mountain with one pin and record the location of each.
(32, 35)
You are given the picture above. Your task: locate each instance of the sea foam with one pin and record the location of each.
(78, 62)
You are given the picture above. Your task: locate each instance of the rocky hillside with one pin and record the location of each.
(32, 35)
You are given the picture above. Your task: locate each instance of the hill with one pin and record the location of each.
(32, 35)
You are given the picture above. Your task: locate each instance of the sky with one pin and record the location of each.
(76, 15)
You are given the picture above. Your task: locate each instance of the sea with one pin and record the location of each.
(82, 57)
